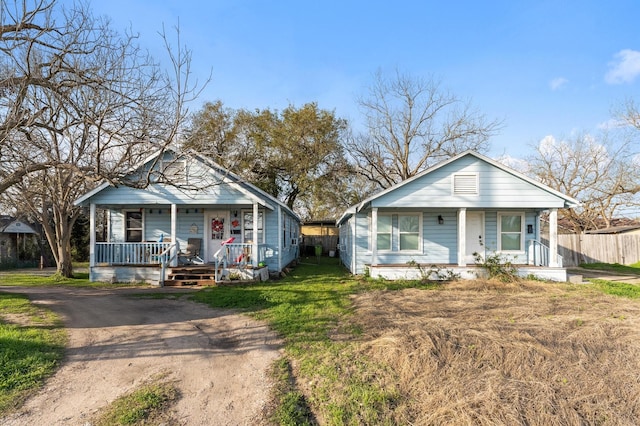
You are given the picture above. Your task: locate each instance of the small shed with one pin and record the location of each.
(15, 234)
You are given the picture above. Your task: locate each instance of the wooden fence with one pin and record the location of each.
(594, 248)
(329, 244)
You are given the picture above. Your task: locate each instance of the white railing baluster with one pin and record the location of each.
(538, 254)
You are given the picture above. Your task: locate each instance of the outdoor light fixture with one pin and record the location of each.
(440, 219)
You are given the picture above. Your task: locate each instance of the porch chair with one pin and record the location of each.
(192, 255)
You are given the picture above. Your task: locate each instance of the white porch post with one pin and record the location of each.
(174, 227)
(254, 248)
(374, 236)
(280, 245)
(92, 236)
(462, 237)
(553, 238)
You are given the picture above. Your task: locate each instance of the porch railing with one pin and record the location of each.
(538, 254)
(238, 255)
(130, 253)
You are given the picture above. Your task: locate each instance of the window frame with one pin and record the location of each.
(395, 233)
(521, 232)
(390, 233)
(126, 227)
(260, 228)
(400, 233)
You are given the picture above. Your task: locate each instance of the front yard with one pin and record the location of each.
(465, 352)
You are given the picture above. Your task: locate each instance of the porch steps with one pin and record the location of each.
(191, 275)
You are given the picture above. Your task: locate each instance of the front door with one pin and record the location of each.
(217, 231)
(475, 236)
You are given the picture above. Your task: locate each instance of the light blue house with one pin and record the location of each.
(194, 222)
(438, 220)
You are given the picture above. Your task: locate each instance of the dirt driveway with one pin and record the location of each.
(218, 358)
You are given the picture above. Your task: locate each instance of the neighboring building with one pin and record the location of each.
(14, 235)
(441, 218)
(319, 228)
(188, 214)
(619, 226)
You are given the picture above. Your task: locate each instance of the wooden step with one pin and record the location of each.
(187, 283)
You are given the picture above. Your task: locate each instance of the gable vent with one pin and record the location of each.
(465, 184)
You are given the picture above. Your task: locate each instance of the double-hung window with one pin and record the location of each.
(133, 227)
(383, 240)
(511, 231)
(398, 232)
(409, 232)
(252, 230)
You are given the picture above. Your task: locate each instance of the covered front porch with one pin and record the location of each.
(148, 243)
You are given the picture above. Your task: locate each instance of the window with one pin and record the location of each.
(384, 233)
(252, 231)
(465, 184)
(399, 232)
(511, 231)
(409, 231)
(133, 227)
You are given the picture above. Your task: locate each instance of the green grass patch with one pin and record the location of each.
(614, 267)
(145, 405)
(31, 346)
(629, 291)
(80, 279)
(310, 308)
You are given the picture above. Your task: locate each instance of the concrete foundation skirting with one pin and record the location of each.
(436, 272)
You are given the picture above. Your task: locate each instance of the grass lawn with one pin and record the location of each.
(633, 269)
(376, 352)
(31, 345)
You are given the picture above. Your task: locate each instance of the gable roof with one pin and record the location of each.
(11, 225)
(227, 177)
(568, 201)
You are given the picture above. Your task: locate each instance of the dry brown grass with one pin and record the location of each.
(488, 353)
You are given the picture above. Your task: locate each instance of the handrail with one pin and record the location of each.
(165, 259)
(238, 254)
(538, 254)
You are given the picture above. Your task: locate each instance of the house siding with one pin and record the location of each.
(439, 241)
(217, 189)
(157, 224)
(497, 189)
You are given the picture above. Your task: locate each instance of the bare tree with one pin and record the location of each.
(411, 124)
(79, 103)
(630, 114)
(601, 174)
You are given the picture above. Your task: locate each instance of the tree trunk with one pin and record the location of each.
(64, 266)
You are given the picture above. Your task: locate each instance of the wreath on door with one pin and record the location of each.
(217, 228)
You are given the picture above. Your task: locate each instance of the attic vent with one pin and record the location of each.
(175, 172)
(465, 184)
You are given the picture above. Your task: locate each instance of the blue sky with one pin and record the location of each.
(544, 67)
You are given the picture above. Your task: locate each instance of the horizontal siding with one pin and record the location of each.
(497, 189)
(193, 225)
(440, 241)
(166, 195)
